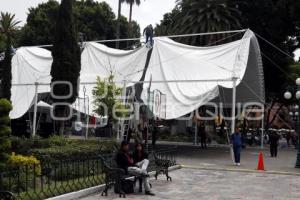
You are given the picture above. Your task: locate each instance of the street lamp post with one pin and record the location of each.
(288, 95)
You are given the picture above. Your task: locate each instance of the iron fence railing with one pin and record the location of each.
(37, 182)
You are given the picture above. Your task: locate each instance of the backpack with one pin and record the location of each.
(127, 186)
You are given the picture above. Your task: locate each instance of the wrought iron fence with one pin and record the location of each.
(37, 182)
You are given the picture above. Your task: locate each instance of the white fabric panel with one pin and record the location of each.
(32, 64)
(29, 65)
(100, 60)
(174, 61)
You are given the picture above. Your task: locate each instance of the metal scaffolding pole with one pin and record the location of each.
(233, 113)
(262, 131)
(35, 109)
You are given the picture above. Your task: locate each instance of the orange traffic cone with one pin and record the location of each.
(261, 165)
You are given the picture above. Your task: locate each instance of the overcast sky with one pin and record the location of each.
(149, 12)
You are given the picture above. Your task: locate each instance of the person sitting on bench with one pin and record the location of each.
(140, 158)
(126, 162)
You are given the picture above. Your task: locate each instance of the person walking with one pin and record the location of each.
(236, 142)
(148, 31)
(274, 139)
(154, 133)
(203, 137)
(125, 161)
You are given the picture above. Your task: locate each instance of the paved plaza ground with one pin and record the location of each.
(219, 157)
(194, 184)
(221, 180)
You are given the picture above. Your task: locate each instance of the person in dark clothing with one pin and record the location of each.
(145, 135)
(140, 158)
(129, 136)
(202, 134)
(154, 133)
(149, 34)
(288, 138)
(124, 159)
(236, 142)
(274, 138)
(139, 153)
(126, 162)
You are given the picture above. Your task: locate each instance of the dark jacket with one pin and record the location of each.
(124, 160)
(273, 138)
(138, 158)
(148, 30)
(236, 139)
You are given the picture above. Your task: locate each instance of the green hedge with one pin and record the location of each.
(56, 149)
(5, 131)
(76, 150)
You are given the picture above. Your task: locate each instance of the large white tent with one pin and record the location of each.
(32, 65)
(170, 61)
(29, 65)
(199, 72)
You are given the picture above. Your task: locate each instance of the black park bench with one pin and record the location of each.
(5, 195)
(114, 176)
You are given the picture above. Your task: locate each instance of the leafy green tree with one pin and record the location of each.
(66, 64)
(105, 98)
(40, 24)
(8, 27)
(106, 95)
(193, 16)
(166, 26)
(5, 131)
(2, 43)
(94, 19)
(277, 21)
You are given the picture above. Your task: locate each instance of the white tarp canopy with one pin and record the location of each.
(174, 61)
(169, 61)
(29, 65)
(98, 60)
(33, 64)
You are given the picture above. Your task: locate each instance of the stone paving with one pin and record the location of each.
(219, 157)
(194, 184)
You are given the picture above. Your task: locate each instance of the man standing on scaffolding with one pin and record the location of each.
(148, 31)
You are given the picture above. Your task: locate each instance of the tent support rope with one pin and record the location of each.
(168, 36)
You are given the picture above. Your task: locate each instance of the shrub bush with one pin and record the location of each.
(24, 145)
(74, 150)
(21, 162)
(5, 131)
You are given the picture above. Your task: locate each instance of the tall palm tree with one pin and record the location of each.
(119, 22)
(8, 26)
(131, 3)
(201, 16)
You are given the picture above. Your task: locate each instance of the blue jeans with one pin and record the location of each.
(237, 153)
(149, 37)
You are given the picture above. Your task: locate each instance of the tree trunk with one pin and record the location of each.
(118, 24)
(61, 113)
(6, 71)
(130, 16)
(61, 128)
(130, 19)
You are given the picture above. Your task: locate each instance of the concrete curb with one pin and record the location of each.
(94, 190)
(240, 170)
